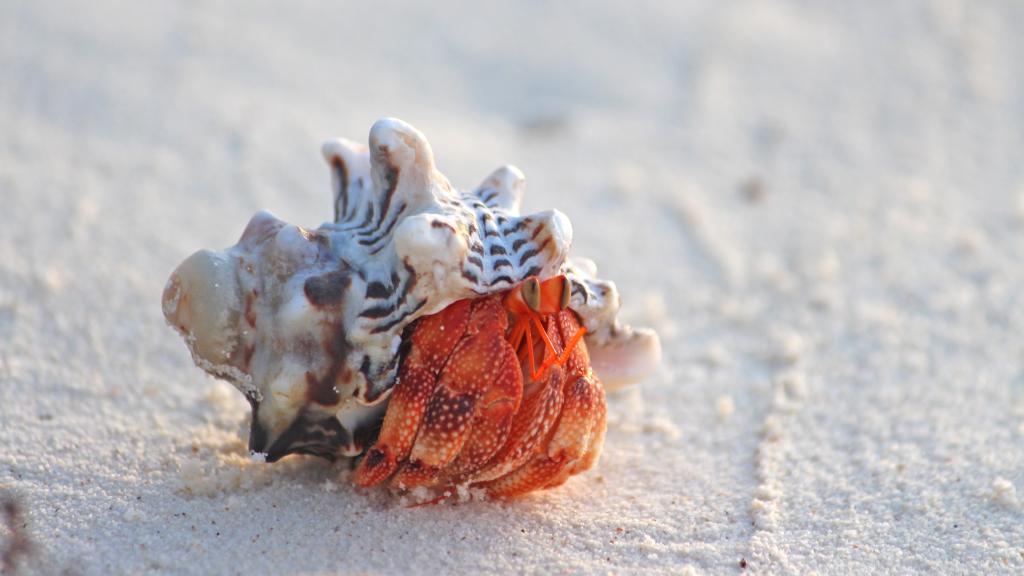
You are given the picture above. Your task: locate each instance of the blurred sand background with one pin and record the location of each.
(819, 206)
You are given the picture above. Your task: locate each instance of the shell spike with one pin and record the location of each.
(551, 234)
(350, 176)
(403, 171)
(261, 226)
(503, 188)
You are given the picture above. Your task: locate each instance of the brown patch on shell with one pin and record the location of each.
(440, 224)
(327, 289)
(326, 390)
(338, 164)
(249, 350)
(250, 312)
(321, 391)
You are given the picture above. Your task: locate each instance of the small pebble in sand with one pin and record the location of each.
(787, 346)
(663, 426)
(53, 280)
(766, 493)
(1004, 493)
(790, 386)
(824, 298)
(715, 355)
(724, 406)
(420, 494)
(753, 189)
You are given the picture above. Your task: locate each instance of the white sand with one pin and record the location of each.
(821, 209)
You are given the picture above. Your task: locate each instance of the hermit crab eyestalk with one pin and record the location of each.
(530, 290)
(566, 293)
(555, 293)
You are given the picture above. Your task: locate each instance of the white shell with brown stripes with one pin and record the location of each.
(308, 323)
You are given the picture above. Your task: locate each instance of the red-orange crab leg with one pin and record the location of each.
(596, 443)
(580, 431)
(542, 403)
(530, 427)
(432, 339)
(517, 334)
(564, 357)
(529, 349)
(574, 443)
(490, 428)
(550, 352)
(481, 360)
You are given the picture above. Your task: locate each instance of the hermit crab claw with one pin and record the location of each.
(311, 324)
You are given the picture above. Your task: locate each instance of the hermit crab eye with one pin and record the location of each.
(566, 293)
(531, 293)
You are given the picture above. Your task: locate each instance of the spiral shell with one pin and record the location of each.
(308, 323)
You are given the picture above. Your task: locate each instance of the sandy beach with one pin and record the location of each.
(819, 206)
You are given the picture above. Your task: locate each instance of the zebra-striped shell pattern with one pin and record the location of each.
(308, 323)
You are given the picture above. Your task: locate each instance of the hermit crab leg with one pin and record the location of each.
(596, 442)
(569, 348)
(476, 364)
(575, 440)
(574, 357)
(544, 335)
(542, 403)
(433, 340)
(534, 375)
(515, 339)
(572, 446)
(580, 428)
(530, 427)
(493, 421)
(524, 328)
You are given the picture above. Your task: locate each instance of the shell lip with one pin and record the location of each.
(310, 434)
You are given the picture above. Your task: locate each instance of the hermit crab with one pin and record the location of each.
(434, 335)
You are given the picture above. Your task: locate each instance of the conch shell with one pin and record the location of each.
(308, 323)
